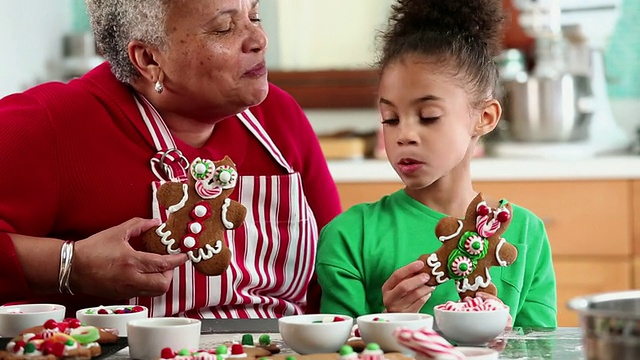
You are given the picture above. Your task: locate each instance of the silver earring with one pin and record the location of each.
(158, 87)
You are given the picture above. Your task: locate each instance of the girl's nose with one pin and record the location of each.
(407, 134)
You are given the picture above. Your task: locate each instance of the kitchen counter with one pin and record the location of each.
(503, 169)
(521, 343)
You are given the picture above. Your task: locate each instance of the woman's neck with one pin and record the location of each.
(192, 132)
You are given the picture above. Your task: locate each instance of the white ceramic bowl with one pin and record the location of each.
(147, 337)
(305, 336)
(15, 318)
(474, 328)
(373, 329)
(112, 320)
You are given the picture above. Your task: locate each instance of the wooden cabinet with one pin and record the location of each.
(591, 226)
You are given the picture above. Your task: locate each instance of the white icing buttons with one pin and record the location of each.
(189, 241)
(200, 211)
(195, 227)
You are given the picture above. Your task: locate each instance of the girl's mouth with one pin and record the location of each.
(408, 166)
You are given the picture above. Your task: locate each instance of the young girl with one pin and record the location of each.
(436, 99)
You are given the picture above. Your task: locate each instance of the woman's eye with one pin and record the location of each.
(391, 121)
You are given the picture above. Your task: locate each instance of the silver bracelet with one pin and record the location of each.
(66, 261)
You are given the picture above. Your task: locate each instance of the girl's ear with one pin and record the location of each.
(488, 117)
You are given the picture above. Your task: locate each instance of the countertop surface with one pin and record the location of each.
(521, 343)
(503, 169)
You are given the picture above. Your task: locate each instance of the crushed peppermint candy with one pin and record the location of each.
(472, 304)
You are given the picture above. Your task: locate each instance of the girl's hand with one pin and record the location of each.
(486, 296)
(406, 289)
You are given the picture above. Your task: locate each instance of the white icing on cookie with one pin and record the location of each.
(501, 261)
(228, 224)
(432, 261)
(202, 255)
(166, 241)
(464, 285)
(182, 202)
(449, 237)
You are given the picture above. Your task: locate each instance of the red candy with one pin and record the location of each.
(167, 353)
(103, 311)
(73, 323)
(338, 318)
(503, 216)
(19, 345)
(137, 308)
(236, 349)
(50, 324)
(483, 210)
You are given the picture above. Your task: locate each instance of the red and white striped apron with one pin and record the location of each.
(272, 254)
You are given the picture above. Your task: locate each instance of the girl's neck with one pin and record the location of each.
(450, 194)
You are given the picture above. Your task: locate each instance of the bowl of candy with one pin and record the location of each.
(379, 328)
(473, 322)
(314, 334)
(112, 317)
(15, 318)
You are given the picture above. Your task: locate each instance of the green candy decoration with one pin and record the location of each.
(184, 352)
(290, 357)
(29, 348)
(221, 349)
(346, 350)
(86, 334)
(247, 339)
(460, 251)
(264, 340)
(373, 346)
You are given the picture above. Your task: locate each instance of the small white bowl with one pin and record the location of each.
(305, 336)
(112, 320)
(147, 337)
(16, 318)
(378, 328)
(473, 328)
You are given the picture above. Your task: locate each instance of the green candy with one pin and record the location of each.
(221, 350)
(247, 339)
(373, 346)
(290, 357)
(184, 352)
(85, 334)
(29, 348)
(346, 350)
(264, 340)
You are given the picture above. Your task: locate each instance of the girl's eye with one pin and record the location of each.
(429, 120)
(391, 121)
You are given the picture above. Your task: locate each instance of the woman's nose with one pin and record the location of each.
(256, 40)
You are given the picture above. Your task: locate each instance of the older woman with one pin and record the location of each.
(183, 79)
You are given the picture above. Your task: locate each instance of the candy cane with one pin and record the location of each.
(486, 228)
(428, 343)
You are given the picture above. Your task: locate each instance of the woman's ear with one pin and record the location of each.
(145, 59)
(488, 117)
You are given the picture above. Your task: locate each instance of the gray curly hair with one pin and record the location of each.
(115, 23)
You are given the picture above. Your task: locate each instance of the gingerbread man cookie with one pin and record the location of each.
(470, 246)
(199, 213)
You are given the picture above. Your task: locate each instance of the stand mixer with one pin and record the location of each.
(561, 107)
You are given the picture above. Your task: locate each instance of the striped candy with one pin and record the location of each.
(427, 343)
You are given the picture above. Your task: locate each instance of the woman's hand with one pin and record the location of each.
(486, 296)
(106, 265)
(406, 289)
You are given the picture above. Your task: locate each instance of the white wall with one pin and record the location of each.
(327, 34)
(30, 41)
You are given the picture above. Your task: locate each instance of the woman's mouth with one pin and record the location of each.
(257, 71)
(408, 166)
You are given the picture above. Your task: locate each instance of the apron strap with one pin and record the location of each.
(250, 121)
(168, 163)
